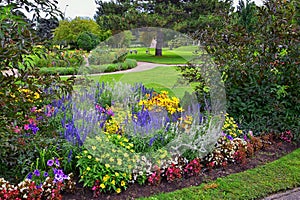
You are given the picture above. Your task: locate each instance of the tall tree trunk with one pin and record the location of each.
(159, 42)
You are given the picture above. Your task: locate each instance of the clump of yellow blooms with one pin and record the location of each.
(162, 100)
(30, 95)
(112, 127)
(230, 127)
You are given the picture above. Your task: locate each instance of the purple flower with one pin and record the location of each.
(50, 163)
(110, 112)
(29, 176)
(46, 174)
(37, 172)
(57, 162)
(229, 137)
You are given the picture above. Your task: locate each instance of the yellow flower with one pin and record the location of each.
(180, 109)
(107, 165)
(122, 183)
(119, 161)
(105, 178)
(97, 159)
(88, 168)
(102, 185)
(85, 151)
(118, 190)
(94, 147)
(117, 174)
(113, 150)
(113, 182)
(111, 160)
(126, 140)
(89, 157)
(126, 155)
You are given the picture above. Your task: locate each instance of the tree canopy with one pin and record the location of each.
(185, 16)
(68, 31)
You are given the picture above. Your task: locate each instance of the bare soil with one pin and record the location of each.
(268, 154)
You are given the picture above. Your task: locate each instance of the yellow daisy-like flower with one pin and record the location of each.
(105, 178)
(118, 190)
(126, 155)
(102, 185)
(123, 183)
(119, 161)
(88, 169)
(117, 174)
(97, 159)
(113, 182)
(107, 165)
(85, 151)
(94, 147)
(89, 157)
(113, 150)
(111, 160)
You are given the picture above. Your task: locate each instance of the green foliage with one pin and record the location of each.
(87, 41)
(59, 70)
(91, 170)
(23, 91)
(61, 59)
(68, 31)
(260, 70)
(102, 55)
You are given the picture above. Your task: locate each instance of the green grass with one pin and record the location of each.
(256, 183)
(176, 56)
(159, 78)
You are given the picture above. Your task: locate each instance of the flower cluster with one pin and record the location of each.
(155, 177)
(99, 175)
(28, 189)
(55, 172)
(286, 136)
(173, 173)
(31, 126)
(225, 151)
(193, 168)
(162, 100)
(230, 128)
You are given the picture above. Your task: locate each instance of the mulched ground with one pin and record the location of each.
(263, 156)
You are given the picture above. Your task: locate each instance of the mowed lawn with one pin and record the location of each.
(159, 78)
(180, 55)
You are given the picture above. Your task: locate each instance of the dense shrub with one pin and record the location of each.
(103, 55)
(59, 70)
(58, 58)
(260, 68)
(87, 41)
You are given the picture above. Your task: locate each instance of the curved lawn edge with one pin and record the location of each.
(256, 183)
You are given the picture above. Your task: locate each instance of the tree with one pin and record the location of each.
(68, 31)
(87, 41)
(186, 16)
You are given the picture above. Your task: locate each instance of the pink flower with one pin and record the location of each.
(17, 129)
(26, 127)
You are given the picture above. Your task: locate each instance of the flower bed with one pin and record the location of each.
(112, 136)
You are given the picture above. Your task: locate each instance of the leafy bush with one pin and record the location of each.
(59, 70)
(260, 67)
(60, 59)
(103, 55)
(87, 41)
(127, 64)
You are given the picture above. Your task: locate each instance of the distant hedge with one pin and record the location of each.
(93, 69)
